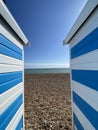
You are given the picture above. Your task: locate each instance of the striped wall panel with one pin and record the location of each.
(90, 113)
(89, 43)
(86, 77)
(84, 65)
(82, 90)
(20, 124)
(87, 61)
(8, 33)
(9, 113)
(11, 85)
(88, 27)
(16, 119)
(9, 49)
(77, 123)
(84, 122)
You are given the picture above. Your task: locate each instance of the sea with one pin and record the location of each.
(46, 70)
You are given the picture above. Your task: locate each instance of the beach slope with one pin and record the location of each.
(47, 102)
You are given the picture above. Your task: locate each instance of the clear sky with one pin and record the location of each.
(46, 24)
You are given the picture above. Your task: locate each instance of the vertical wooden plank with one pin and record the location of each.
(23, 90)
(71, 88)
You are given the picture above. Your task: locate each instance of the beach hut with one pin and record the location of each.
(83, 44)
(12, 40)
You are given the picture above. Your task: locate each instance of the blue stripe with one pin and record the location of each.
(89, 43)
(6, 51)
(86, 77)
(9, 44)
(5, 77)
(20, 124)
(6, 86)
(77, 122)
(87, 110)
(9, 113)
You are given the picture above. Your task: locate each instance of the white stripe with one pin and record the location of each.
(86, 66)
(82, 119)
(13, 124)
(87, 94)
(88, 61)
(4, 68)
(71, 88)
(23, 93)
(8, 35)
(9, 60)
(10, 92)
(86, 58)
(10, 100)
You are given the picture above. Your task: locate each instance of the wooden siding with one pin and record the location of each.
(83, 44)
(84, 68)
(88, 44)
(9, 34)
(77, 123)
(11, 22)
(82, 118)
(87, 61)
(90, 25)
(15, 121)
(86, 13)
(9, 113)
(11, 83)
(82, 92)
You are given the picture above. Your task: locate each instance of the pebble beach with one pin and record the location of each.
(48, 102)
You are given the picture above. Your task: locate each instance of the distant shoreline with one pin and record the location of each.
(46, 70)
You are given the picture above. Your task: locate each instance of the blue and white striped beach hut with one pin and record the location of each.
(12, 40)
(83, 43)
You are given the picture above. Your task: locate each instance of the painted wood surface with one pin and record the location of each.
(90, 25)
(84, 70)
(81, 20)
(11, 21)
(82, 118)
(83, 44)
(11, 85)
(12, 40)
(8, 33)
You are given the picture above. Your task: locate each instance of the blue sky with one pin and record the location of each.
(45, 24)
